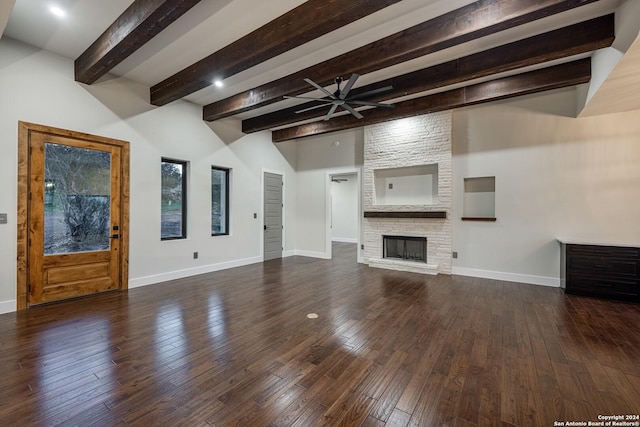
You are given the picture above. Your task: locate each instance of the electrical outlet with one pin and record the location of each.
(455, 255)
(362, 247)
(3, 218)
(255, 215)
(195, 255)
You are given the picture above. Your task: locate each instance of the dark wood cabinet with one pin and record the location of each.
(601, 271)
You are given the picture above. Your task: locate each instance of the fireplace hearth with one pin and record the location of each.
(405, 248)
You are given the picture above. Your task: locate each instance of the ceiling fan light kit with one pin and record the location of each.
(340, 98)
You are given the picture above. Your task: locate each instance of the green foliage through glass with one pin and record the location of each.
(173, 200)
(219, 201)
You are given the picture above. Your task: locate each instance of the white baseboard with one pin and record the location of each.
(507, 277)
(344, 240)
(180, 274)
(321, 255)
(8, 306)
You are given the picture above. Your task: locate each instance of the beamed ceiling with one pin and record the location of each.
(435, 54)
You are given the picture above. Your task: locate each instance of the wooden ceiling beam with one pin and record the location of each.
(141, 22)
(572, 40)
(306, 22)
(470, 22)
(569, 74)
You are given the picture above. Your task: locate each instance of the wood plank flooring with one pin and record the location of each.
(387, 349)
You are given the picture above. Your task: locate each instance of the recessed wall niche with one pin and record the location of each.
(480, 198)
(406, 186)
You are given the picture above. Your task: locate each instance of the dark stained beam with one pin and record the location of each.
(572, 40)
(470, 22)
(141, 22)
(306, 22)
(569, 74)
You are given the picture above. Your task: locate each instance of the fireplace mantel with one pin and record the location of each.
(405, 214)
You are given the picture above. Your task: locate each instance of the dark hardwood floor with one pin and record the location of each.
(388, 348)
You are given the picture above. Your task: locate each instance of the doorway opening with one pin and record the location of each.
(343, 214)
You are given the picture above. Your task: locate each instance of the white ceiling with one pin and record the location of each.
(213, 24)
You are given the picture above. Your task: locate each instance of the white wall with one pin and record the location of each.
(5, 11)
(38, 86)
(316, 157)
(344, 209)
(556, 176)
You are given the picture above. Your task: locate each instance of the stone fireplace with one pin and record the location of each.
(411, 157)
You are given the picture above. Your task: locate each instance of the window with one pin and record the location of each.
(173, 208)
(219, 201)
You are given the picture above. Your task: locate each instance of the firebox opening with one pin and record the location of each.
(405, 248)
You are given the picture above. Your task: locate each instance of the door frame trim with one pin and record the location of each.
(24, 141)
(284, 228)
(328, 212)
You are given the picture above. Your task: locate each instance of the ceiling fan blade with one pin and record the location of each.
(352, 111)
(320, 88)
(371, 104)
(304, 110)
(350, 83)
(372, 92)
(328, 101)
(331, 111)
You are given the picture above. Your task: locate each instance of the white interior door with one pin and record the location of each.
(272, 216)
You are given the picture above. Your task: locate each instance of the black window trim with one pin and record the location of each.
(227, 174)
(184, 164)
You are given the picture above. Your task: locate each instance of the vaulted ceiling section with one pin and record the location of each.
(141, 22)
(548, 60)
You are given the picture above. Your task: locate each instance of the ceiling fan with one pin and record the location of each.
(340, 97)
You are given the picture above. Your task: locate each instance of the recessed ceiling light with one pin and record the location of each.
(218, 83)
(57, 11)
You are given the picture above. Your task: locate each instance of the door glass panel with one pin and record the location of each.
(77, 194)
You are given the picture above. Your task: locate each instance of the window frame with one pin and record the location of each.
(227, 207)
(184, 165)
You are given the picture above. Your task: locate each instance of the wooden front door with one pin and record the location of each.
(75, 222)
